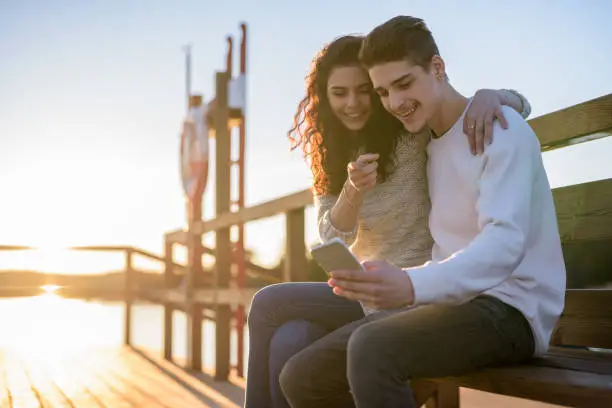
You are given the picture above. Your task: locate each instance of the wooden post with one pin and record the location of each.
(446, 396)
(194, 278)
(425, 393)
(195, 275)
(296, 264)
(222, 237)
(129, 297)
(241, 275)
(169, 282)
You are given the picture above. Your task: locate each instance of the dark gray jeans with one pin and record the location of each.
(369, 361)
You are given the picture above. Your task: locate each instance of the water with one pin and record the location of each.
(51, 324)
(147, 331)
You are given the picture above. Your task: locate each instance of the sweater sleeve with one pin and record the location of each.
(327, 230)
(526, 105)
(504, 211)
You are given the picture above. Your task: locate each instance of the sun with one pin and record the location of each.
(50, 289)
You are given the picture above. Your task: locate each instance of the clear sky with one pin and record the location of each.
(92, 98)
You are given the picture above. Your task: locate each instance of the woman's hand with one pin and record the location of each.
(362, 172)
(478, 120)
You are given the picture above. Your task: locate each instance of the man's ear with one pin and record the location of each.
(438, 67)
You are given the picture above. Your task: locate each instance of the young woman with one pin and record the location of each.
(370, 190)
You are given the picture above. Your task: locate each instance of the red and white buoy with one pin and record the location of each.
(194, 157)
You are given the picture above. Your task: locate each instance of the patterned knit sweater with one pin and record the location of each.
(393, 219)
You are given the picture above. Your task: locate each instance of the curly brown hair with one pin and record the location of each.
(324, 139)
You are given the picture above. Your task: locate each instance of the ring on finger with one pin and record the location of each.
(472, 126)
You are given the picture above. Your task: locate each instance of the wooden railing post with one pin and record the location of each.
(194, 312)
(169, 282)
(194, 277)
(222, 236)
(129, 297)
(296, 263)
(195, 274)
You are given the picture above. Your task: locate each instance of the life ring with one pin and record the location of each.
(194, 154)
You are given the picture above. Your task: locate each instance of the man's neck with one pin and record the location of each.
(452, 104)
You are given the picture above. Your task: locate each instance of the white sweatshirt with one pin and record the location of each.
(494, 224)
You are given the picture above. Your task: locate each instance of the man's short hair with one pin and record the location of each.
(400, 38)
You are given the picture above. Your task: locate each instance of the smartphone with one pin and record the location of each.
(333, 255)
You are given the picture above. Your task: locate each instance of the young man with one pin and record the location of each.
(495, 286)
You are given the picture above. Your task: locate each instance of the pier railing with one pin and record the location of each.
(582, 213)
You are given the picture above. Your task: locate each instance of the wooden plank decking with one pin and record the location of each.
(125, 377)
(112, 378)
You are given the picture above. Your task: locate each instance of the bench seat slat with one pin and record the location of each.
(546, 384)
(577, 360)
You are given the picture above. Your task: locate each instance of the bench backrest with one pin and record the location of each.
(586, 319)
(584, 214)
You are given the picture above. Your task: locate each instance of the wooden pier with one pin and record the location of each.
(132, 378)
(129, 377)
(109, 378)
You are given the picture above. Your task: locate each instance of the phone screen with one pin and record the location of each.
(334, 256)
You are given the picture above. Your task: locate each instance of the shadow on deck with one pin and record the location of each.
(113, 378)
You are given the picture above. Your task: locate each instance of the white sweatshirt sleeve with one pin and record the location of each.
(504, 209)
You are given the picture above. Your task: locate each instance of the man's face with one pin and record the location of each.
(407, 91)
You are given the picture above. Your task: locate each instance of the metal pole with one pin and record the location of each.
(241, 278)
(187, 50)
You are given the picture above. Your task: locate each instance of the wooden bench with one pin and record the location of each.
(570, 374)
(575, 372)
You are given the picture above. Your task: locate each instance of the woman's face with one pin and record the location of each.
(349, 95)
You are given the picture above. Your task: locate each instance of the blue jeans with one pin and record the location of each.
(368, 361)
(289, 339)
(284, 319)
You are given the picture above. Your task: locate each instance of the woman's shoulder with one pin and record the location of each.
(413, 142)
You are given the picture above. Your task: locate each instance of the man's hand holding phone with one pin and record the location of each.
(377, 284)
(381, 285)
